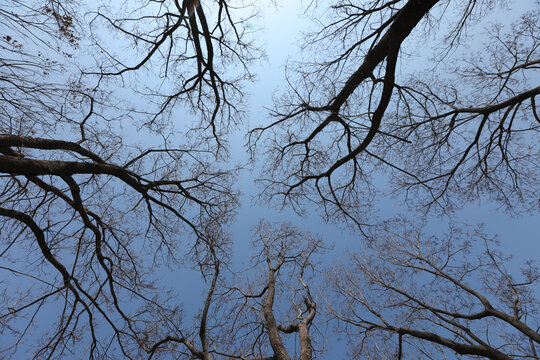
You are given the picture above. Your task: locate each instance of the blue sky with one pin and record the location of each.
(281, 28)
(282, 34)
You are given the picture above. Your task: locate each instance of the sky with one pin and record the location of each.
(282, 26)
(282, 34)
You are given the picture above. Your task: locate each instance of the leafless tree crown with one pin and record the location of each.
(116, 180)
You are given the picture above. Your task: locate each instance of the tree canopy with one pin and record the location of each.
(116, 176)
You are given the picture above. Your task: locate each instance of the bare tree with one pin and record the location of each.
(88, 211)
(412, 294)
(253, 318)
(276, 302)
(461, 128)
(114, 174)
(199, 51)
